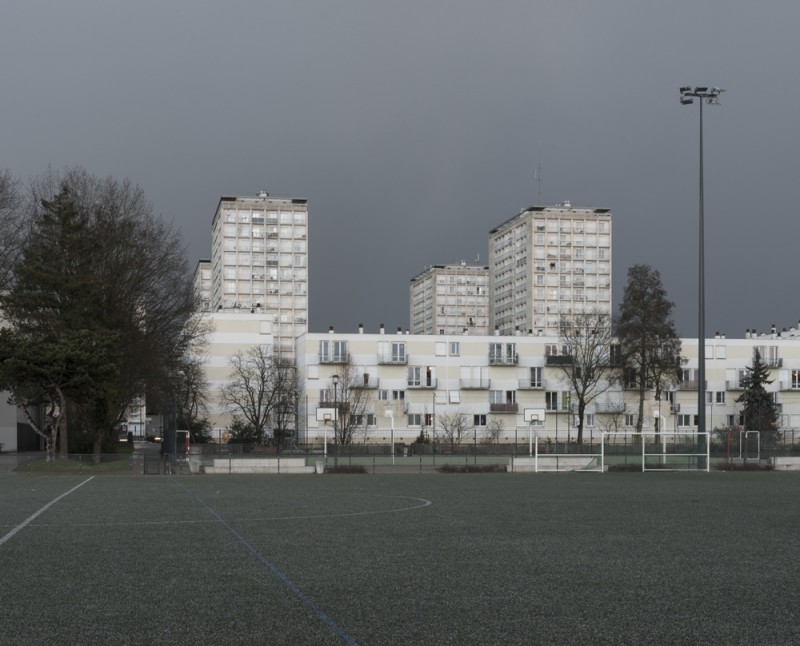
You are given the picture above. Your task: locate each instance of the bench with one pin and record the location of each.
(251, 465)
(550, 463)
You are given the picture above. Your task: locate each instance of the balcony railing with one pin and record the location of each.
(558, 360)
(503, 408)
(474, 384)
(342, 357)
(393, 359)
(367, 381)
(531, 384)
(504, 360)
(427, 383)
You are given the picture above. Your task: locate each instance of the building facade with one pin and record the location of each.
(408, 383)
(202, 285)
(259, 262)
(548, 262)
(450, 299)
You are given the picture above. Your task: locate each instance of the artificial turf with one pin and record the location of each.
(588, 558)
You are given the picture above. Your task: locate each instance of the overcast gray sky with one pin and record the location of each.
(414, 127)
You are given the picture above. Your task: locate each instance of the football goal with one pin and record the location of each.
(668, 451)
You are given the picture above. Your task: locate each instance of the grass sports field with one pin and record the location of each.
(624, 558)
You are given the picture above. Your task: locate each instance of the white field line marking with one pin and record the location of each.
(423, 501)
(31, 518)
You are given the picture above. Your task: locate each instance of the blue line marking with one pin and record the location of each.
(296, 591)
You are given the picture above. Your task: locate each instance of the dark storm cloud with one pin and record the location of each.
(415, 127)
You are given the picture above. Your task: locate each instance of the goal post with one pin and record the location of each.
(664, 451)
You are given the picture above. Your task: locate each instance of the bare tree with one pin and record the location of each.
(453, 425)
(589, 370)
(11, 226)
(263, 390)
(351, 400)
(288, 387)
(493, 430)
(192, 399)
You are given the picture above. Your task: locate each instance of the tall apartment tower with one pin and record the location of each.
(202, 285)
(259, 262)
(547, 262)
(450, 299)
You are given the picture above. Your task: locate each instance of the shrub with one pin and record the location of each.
(472, 468)
(347, 468)
(744, 466)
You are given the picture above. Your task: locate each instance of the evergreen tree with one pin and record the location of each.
(758, 409)
(649, 345)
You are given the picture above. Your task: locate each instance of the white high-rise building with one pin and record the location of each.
(202, 285)
(547, 262)
(259, 262)
(450, 299)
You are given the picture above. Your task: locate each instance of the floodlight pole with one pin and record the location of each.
(705, 95)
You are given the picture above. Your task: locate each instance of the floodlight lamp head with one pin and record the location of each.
(686, 100)
(686, 89)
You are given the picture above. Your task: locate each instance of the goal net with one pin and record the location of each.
(650, 451)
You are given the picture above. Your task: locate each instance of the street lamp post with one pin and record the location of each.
(708, 95)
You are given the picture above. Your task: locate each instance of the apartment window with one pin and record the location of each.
(383, 395)
(333, 351)
(415, 419)
(717, 397)
(629, 419)
(479, 420)
(398, 352)
(501, 353)
(551, 400)
(420, 376)
(455, 348)
(398, 395)
(589, 419)
(795, 379)
(687, 420)
(364, 420)
(536, 377)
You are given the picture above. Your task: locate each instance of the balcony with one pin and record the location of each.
(609, 407)
(428, 384)
(735, 385)
(366, 382)
(474, 384)
(503, 408)
(393, 359)
(558, 360)
(530, 384)
(504, 360)
(687, 385)
(341, 358)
